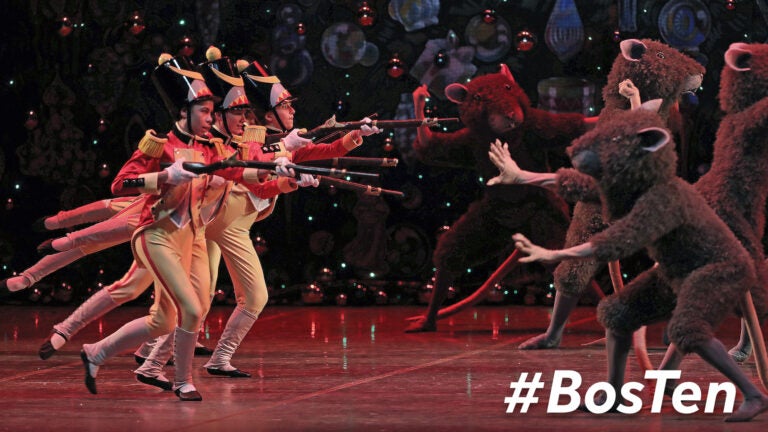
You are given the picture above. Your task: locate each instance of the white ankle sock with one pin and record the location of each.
(51, 223)
(57, 341)
(62, 244)
(17, 283)
(186, 388)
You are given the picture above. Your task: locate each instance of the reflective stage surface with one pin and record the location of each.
(334, 368)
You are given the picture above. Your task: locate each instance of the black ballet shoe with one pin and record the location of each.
(39, 224)
(188, 396)
(153, 381)
(90, 380)
(46, 349)
(140, 360)
(237, 373)
(201, 351)
(46, 248)
(421, 326)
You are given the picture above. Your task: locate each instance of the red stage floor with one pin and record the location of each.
(331, 368)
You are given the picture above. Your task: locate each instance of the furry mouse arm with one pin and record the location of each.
(656, 213)
(447, 148)
(538, 253)
(549, 126)
(574, 186)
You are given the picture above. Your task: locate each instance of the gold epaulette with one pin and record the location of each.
(221, 149)
(238, 144)
(242, 149)
(254, 133)
(283, 152)
(152, 145)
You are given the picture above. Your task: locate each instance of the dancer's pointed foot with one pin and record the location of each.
(421, 325)
(90, 372)
(234, 373)
(140, 360)
(39, 225)
(542, 341)
(202, 350)
(748, 409)
(46, 248)
(47, 349)
(187, 393)
(157, 381)
(740, 354)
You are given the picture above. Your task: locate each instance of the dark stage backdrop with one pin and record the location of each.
(76, 98)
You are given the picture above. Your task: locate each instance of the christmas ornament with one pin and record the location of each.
(259, 244)
(326, 275)
(525, 41)
(65, 27)
(489, 16)
(414, 14)
(186, 47)
(366, 16)
(136, 23)
(343, 44)
(395, 67)
(388, 147)
(31, 121)
(564, 33)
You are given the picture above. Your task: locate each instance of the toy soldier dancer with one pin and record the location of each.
(230, 230)
(229, 233)
(170, 240)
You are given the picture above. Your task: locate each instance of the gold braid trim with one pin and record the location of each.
(152, 145)
(254, 133)
(244, 152)
(221, 149)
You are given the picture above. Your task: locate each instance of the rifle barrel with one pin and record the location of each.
(358, 187)
(346, 161)
(381, 124)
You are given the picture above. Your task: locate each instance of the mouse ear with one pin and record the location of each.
(652, 105)
(632, 49)
(456, 93)
(738, 57)
(504, 70)
(654, 138)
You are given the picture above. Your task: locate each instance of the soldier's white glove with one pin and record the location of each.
(306, 180)
(281, 170)
(215, 181)
(177, 175)
(366, 130)
(293, 141)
